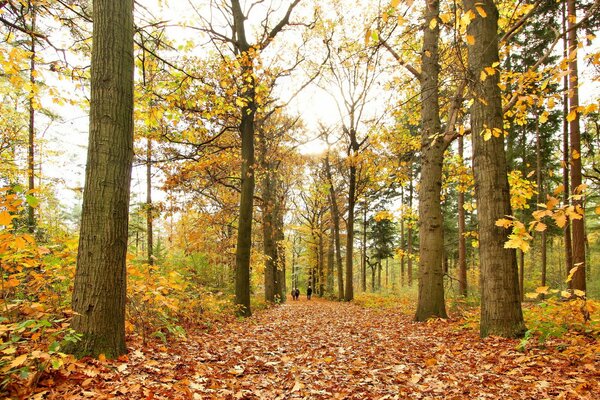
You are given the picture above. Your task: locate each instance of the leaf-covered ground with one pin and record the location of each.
(327, 350)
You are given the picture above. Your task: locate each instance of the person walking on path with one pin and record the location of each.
(308, 292)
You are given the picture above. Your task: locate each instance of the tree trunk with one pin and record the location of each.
(521, 274)
(540, 197)
(268, 228)
(501, 312)
(330, 262)
(349, 294)
(31, 223)
(335, 216)
(387, 272)
(431, 241)
(566, 169)
(462, 245)
(149, 209)
(100, 280)
(363, 273)
(578, 281)
(321, 287)
(409, 240)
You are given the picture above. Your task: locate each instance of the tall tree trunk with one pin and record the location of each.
(568, 243)
(100, 280)
(431, 221)
(409, 240)
(402, 242)
(335, 216)
(149, 208)
(349, 294)
(330, 262)
(379, 268)
(387, 272)
(501, 312)
(540, 197)
(31, 223)
(321, 287)
(462, 245)
(363, 264)
(578, 281)
(280, 287)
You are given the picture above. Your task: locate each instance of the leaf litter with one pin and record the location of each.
(327, 350)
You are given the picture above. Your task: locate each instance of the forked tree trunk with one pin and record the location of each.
(431, 240)
(500, 303)
(578, 281)
(100, 280)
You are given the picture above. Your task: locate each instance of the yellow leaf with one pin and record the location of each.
(565, 294)
(102, 358)
(481, 11)
(579, 293)
(19, 243)
(544, 118)
(446, 18)
(470, 40)
(540, 227)
(597, 210)
(560, 219)
(551, 203)
(531, 295)
(432, 23)
(559, 190)
(542, 289)
(17, 362)
(395, 3)
(575, 154)
(572, 115)
(504, 223)
(490, 71)
(482, 76)
(5, 218)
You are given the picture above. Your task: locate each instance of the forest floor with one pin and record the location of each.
(327, 350)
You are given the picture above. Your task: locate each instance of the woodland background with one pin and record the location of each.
(357, 125)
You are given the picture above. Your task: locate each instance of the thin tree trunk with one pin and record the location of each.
(387, 272)
(578, 281)
(462, 246)
(521, 274)
(409, 240)
(330, 262)
(149, 209)
(566, 169)
(100, 280)
(31, 223)
(540, 197)
(349, 294)
(501, 312)
(363, 273)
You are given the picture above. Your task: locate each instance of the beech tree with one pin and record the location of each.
(100, 280)
(500, 301)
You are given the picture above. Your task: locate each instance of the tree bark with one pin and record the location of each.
(431, 241)
(335, 216)
(578, 281)
(363, 264)
(540, 197)
(568, 243)
(31, 223)
(462, 245)
(501, 312)
(349, 294)
(409, 240)
(100, 280)
(149, 209)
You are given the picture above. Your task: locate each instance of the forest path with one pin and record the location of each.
(327, 350)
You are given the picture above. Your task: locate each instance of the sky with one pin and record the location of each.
(67, 139)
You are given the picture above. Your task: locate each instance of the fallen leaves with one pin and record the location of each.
(326, 350)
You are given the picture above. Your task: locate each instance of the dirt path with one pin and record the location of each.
(328, 350)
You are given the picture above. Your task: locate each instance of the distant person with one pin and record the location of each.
(297, 293)
(308, 292)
